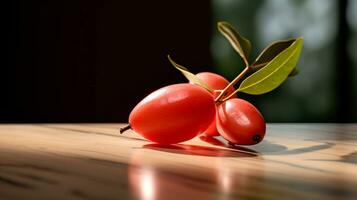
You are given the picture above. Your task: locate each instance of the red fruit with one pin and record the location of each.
(239, 122)
(173, 114)
(211, 130)
(215, 82)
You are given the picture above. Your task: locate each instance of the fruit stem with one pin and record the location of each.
(237, 78)
(125, 128)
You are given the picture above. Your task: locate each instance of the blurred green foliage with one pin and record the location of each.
(309, 97)
(352, 47)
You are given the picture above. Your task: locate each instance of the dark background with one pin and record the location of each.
(93, 61)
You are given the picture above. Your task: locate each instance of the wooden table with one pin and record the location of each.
(93, 161)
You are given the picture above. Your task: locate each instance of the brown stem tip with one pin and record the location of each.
(125, 128)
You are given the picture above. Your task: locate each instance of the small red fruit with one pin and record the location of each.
(215, 82)
(239, 122)
(211, 131)
(173, 114)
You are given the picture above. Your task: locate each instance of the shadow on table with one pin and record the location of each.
(202, 150)
(223, 143)
(270, 148)
(267, 148)
(350, 158)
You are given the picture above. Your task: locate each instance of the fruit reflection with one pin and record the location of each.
(153, 177)
(239, 180)
(146, 183)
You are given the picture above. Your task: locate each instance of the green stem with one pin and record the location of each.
(232, 83)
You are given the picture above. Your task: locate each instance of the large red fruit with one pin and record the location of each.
(215, 82)
(239, 122)
(173, 114)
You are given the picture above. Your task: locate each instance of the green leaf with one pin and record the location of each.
(270, 52)
(274, 73)
(191, 77)
(238, 42)
(295, 72)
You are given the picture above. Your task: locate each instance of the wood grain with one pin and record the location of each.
(93, 161)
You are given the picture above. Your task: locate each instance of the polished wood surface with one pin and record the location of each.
(93, 161)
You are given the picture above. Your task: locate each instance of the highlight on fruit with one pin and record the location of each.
(208, 104)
